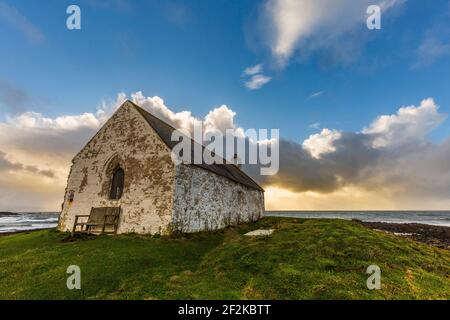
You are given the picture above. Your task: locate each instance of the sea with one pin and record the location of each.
(12, 222)
(437, 218)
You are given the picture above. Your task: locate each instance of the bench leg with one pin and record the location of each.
(104, 224)
(74, 226)
(116, 224)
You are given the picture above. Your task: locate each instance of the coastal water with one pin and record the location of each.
(12, 222)
(438, 218)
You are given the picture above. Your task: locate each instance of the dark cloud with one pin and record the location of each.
(418, 172)
(6, 165)
(49, 142)
(299, 171)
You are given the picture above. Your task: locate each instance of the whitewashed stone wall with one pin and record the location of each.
(206, 201)
(147, 200)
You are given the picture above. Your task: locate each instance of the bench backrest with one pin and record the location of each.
(102, 224)
(97, 215)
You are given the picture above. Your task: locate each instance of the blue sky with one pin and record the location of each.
(325, 79)
(193, 53)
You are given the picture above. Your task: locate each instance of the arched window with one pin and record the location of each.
(117, 184)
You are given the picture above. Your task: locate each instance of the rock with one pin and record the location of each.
(430, 234)
(259, 232)
(7, 214)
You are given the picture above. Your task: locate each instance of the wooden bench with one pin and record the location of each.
(100, 220)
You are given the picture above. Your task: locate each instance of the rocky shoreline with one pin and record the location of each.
(438, 236)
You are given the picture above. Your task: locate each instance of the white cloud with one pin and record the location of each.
(432, 49)
(321, 143)
(315, 94)
(12, 17)
(257, 82)
(435, 40)
(311, 25)
(250, 71)
(315, 125)
(155, 105)
(410, 124)
(37, 120)
(221, 118)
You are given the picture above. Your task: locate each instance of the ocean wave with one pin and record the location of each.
(28, 221)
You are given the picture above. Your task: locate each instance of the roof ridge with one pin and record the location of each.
(232, 171)
(173, 128)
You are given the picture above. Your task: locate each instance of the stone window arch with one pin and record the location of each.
(117, 182)
(113, 178)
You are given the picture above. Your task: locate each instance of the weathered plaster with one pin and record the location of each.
(206, 201)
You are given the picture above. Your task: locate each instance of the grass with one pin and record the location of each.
(302, 259)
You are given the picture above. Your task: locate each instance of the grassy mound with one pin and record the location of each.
(302, 259)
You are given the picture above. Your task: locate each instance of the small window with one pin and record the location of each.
(117, 184)
(71, 195)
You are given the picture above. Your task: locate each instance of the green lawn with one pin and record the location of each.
(303, 259)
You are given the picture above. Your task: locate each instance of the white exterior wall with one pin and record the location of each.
(206, 201)
(147, 200)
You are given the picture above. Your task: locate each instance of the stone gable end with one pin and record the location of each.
(126, 140)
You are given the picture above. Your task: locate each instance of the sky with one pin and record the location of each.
(362, 113)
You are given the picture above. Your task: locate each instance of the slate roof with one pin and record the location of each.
(230, 171)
